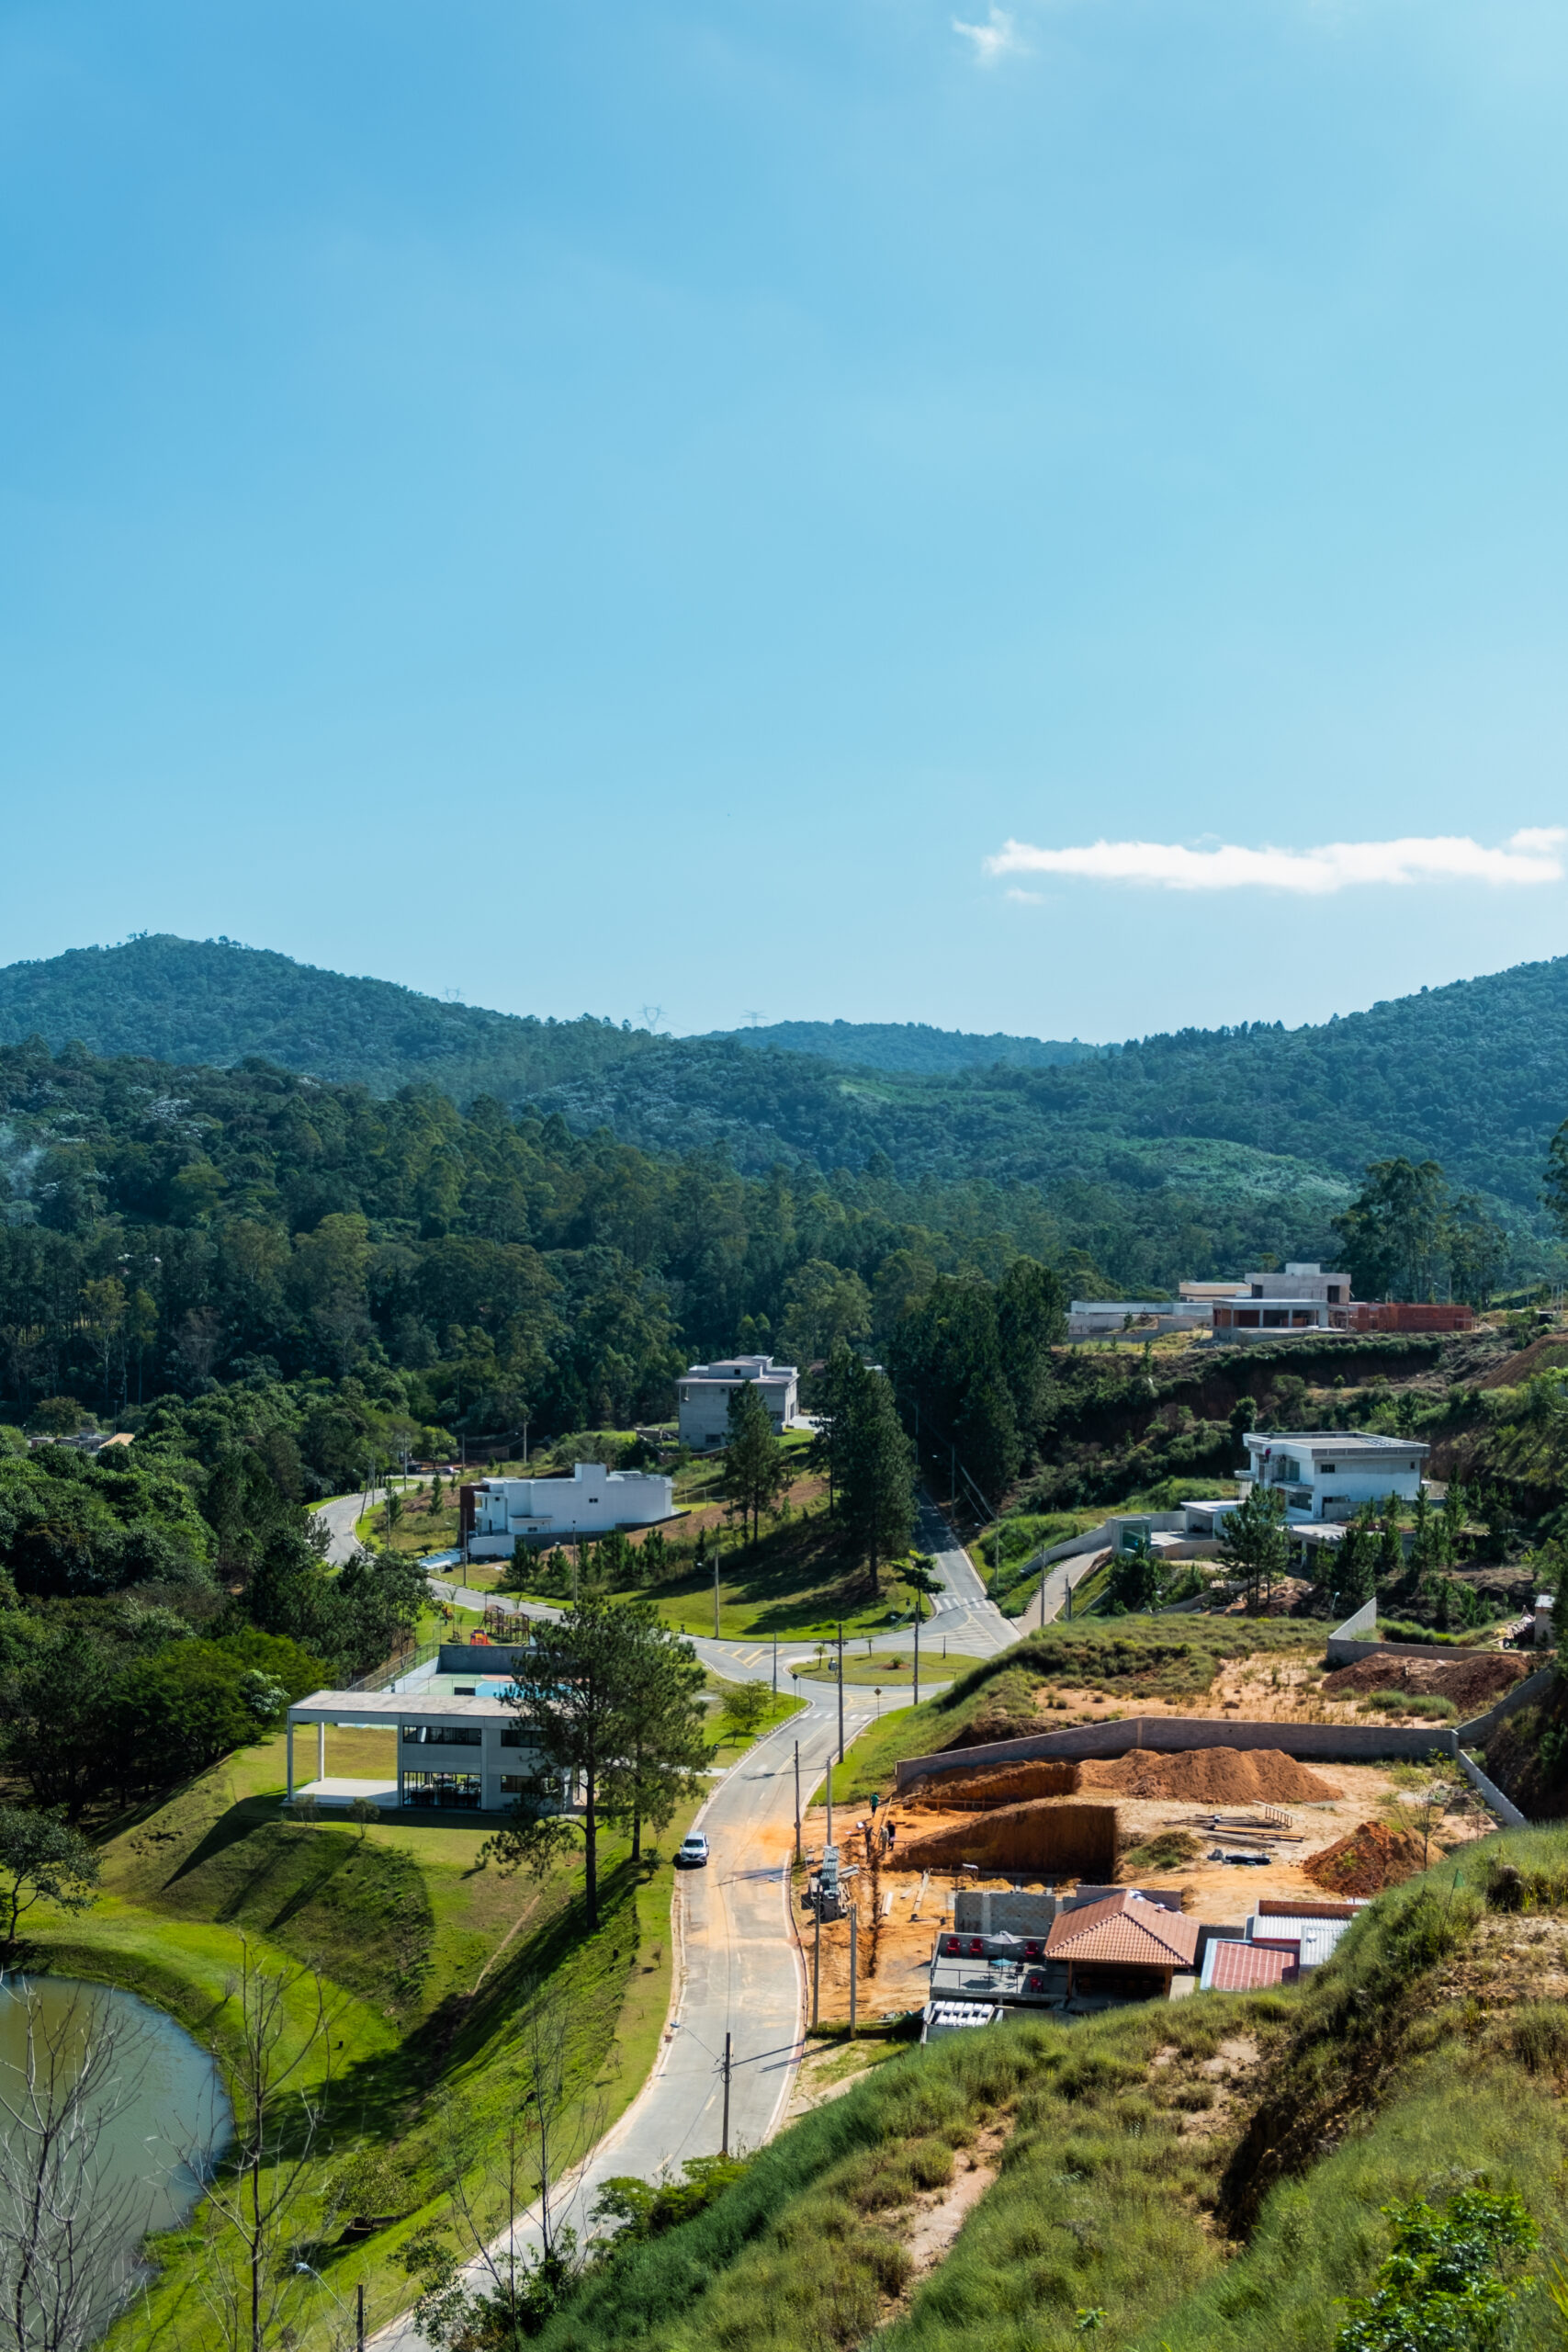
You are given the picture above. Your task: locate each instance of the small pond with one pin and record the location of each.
(156, 2121)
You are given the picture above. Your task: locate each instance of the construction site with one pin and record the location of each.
(1212, 1836)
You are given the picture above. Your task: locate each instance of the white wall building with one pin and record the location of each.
(1301, 1297)
(496, 1513)
(1329, 1474)
(465, 1754)
(703, 1391)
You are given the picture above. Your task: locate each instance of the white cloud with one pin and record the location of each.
(992, 39)
(1025, 898)
(1534, 854)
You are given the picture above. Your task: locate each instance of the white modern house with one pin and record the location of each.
(452, 1752)
(1301, 1297)
(496, 1514)
(1329, 1474)
(703, 1391)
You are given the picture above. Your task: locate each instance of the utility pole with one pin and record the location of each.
(724, 2150)
(854, 1924)
(817, 1960)
(776, 1666)
(841, 1699)
(917, 1649)
(798, 1805)
(359, 2323)
(716, 1592)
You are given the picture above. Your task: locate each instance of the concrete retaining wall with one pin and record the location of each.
(1324, 1743)
(1507, 1810)
(484, 1660)
(1349, 1653)
(1524, 1694)
(1095, 1539)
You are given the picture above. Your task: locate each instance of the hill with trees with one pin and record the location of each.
(910, 1046)
(1169, 1155)
(216, 1002)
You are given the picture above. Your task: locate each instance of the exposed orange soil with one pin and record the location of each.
(1220, 1776)
(1254, 1689)
(1371, 1859)
(1472, 1683)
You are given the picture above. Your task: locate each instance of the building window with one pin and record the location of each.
(1326, 1469)
(461, 1790)
(513, 1737)
(513, 1783)
(442, 1735)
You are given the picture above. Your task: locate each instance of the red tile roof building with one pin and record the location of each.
(1125, 1933)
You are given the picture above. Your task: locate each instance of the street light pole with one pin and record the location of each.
(840, 1696)
(724, 2149)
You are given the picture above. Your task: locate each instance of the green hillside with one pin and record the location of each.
(1165, 1155)
(1474, 1075)
(216, 1002)
(912, 1046)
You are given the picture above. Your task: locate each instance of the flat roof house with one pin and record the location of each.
(703, 1391)
(496, 1514)
(459, 1754)
(1301, 1297)
(1329, 1474)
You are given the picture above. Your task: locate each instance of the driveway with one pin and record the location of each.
(738, 1972)
(339, 1518)
(963, 1613)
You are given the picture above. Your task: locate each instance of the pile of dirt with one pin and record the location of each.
(1039, 1839)
(1220, 1776)
(1472, 1681)
(1371, 1859)
(1042, 1776)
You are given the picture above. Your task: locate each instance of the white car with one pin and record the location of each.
(692, 1854)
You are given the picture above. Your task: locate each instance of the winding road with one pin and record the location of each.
(737, 1965)
(737, 1972)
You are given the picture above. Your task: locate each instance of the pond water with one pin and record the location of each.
(156, 2117)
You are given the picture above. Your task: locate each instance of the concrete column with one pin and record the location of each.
(291, 1747)
(320, 1751)
(400, 1775)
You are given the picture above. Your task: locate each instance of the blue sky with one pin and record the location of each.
(605, 507)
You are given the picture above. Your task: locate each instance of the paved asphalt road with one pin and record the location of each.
(736, 1956)
(963, 1613)
(739, 1973)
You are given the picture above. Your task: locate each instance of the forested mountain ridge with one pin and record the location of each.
(1167, 1154)
(911, 1046)
(214, 1003)
(1474, 1075)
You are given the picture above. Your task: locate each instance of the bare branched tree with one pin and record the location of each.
(278, 2047)
(69, 2229)
(495, 2288)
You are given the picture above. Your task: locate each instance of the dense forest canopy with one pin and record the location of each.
(214, 1001)
(909, 1045)
(167, 1231)
(1192, 1154)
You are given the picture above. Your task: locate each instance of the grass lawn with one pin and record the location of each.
(431, 1956)
(798, 1579)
